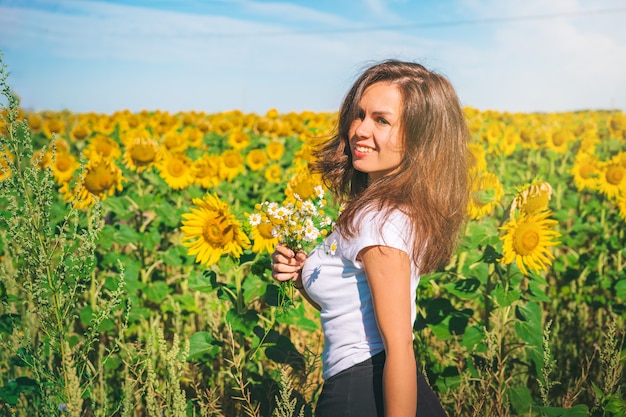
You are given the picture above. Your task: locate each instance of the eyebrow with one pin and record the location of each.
(379, 112)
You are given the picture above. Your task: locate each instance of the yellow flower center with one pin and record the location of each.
(231, 160)
(176, 168)
(104, 148)
(143, 154)
(80, 132)
(217, 231)
(614, 174)
(559, 138)
(99, 179)
(265, 230)
(63, 162)
(55, 126)
(526, 239)
(587, 171)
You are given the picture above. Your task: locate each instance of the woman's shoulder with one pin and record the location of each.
(381, 217)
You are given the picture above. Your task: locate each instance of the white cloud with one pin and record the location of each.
(131, 57)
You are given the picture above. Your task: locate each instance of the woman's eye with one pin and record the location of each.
(361, 115)
(383, 121)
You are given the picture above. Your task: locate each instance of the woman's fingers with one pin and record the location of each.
(286, 264)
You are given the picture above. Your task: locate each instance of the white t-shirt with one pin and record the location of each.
(336, 281)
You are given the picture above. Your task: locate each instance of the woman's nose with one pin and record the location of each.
(363, 128)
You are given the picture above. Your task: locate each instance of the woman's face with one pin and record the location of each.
(375, 140)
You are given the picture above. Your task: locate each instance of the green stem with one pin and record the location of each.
(487, 298)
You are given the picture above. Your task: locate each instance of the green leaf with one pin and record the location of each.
(201, 345)
(473, 336)
(242, 322)
(580, 410)
(530, 326)
(503, 297)
(202, 281)
(150, 238)
(106, 237)
(253, 288)
(490, 255)
(125, 235)
(465, 289)
(157, 291)
(8, 322)
(620, 289)
(520, 399)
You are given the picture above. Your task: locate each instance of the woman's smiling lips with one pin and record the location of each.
(360, 150)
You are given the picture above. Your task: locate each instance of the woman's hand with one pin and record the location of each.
(286, 265)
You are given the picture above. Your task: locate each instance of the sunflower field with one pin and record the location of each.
(135, 270)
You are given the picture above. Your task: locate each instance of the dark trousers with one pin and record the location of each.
(358, 392)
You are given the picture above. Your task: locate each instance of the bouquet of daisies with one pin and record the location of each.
(298, 224)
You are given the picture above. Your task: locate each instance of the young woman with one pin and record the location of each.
(399, 164)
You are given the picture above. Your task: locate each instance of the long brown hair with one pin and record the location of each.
(431, 184)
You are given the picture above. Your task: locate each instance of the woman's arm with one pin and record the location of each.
(287, 265)
(388, 272)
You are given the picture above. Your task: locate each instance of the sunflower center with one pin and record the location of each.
(63, 163)
(176, 168)
(265, 230)
(81, 132)
(99, 179)
(217, 231)
(526, 239)
(55, 126)
(231, 161)
(614, 174)
(143, 154)
(104, 148)
(586, 171)
(558, 138)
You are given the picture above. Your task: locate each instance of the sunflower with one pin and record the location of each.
(273, 174)
(63, 166)
(176, 170)
(612, 179)
(302, 184)
(256, 159)
(231, 164)
(142, 152)
(5, 168)
(239, 139)
(41, 159)
(53, 126)
(79, 132)
(175, 142)
(586, 171)
(559, 140)
(527, 241)
(263, 238)
(105, 124)
(509, 141)
(206, 171)
(275, 150)
(103, 146)
(195, 136)
(480, 156)
(485, 193)
(210, 231)
(101, 178)
(35, 123)
(532, 198)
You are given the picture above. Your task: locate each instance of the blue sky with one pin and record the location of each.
(254, 55)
